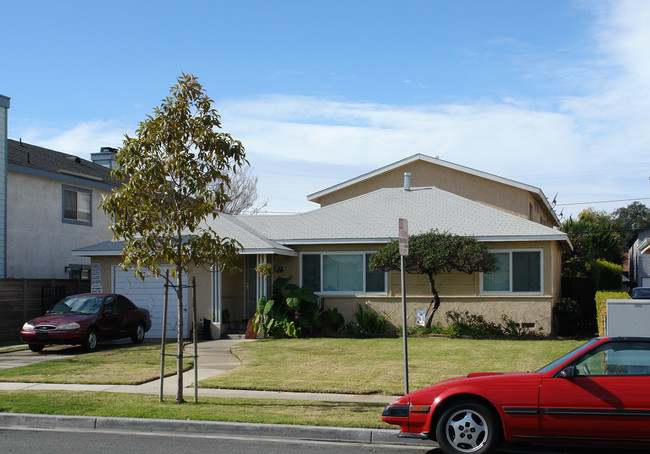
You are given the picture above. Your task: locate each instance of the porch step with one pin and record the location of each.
(234, 336)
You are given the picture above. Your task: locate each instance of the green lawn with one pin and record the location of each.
(263, 411)
(122, 366)
(375, 366)
(319, 365)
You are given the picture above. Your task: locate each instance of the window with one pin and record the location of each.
(616, 358)
(76, 205)
(518, 271)
(341, 272)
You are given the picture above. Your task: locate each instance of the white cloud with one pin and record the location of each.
(80, 140)
(588, 147)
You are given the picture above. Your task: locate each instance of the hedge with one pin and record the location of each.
(605, 275)
(601, 306)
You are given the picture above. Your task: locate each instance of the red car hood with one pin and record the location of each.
(60, 319)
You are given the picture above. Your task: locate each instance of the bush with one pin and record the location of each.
(332, 321)
(567, 313)
(466, 324)
(368, 324)
(605, 275)
(601, 307)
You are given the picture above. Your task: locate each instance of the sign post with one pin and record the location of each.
(403, 252)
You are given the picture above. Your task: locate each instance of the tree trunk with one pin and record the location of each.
(179, 339)
(434, 304)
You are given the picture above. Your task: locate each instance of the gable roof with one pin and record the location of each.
(27, 158)
(373, 218)
(316, 196)
(370, 218)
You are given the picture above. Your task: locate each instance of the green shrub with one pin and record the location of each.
(368, 324)
(605, 275)
(466, 324)
(332, 321)
(567, 314)
(601, 307)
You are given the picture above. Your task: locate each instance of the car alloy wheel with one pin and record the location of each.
(467, 428)
(138, 336)
(90, 343)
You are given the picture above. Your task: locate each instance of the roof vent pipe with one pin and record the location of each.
(407, 181)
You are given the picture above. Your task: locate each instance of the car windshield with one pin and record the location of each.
(77, 305)
(562, 359)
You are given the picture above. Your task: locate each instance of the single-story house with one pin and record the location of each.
(328, 249)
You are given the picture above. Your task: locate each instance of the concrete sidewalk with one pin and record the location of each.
(214, 358)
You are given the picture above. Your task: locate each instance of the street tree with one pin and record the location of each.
(630, 219)
(432, 254)
(170, 169)
(593, 236)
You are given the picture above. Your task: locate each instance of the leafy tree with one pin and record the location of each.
(168, 169)
(630, 219)
(593, 236)
(434, 253)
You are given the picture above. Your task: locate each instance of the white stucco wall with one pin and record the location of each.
(39, 243)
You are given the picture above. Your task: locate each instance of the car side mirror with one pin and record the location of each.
(567, 372)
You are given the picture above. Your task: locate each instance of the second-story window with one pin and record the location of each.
(76, 205)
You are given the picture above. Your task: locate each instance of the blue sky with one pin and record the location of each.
(551, 93)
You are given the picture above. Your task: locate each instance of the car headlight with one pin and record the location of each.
(28, 327)
(74, 325)
(396, 411)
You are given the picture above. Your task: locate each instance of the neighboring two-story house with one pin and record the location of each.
(4, 106)
(52, 201)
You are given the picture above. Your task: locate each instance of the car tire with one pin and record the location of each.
(91, 340)
(36, 348)
(468, 427)
(138, 335)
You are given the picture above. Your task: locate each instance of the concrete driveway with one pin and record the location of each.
(26, 357)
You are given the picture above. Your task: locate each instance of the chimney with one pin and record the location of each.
(407, 181)
(105, 157)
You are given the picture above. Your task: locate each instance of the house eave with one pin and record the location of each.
(68, 177)
(302, 242)
(251, 251)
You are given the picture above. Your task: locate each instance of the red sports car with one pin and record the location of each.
(598, 393)
(87, 319)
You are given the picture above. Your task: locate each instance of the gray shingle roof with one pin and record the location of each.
(373, 217)
(44, 159)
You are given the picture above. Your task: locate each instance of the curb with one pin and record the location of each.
(141, 425)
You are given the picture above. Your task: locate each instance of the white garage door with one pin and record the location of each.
(150, 294)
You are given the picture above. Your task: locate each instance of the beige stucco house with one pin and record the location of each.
(328, 249)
